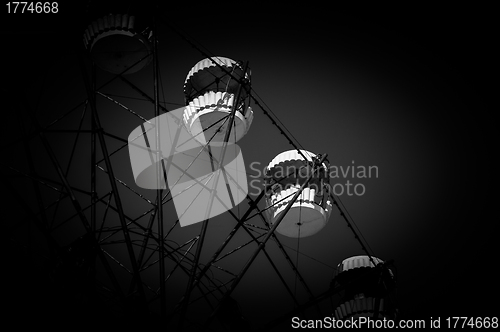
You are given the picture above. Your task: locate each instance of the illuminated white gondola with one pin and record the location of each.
(210, 93)
(115, 46)
(312, 209)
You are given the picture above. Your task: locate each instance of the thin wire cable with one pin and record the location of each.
(298, 249)
(268, 109)
(311, 258)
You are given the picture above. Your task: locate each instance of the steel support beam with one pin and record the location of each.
(212, 196)
(119, 206)
(263, 243)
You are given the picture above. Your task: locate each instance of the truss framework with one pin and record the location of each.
(124, 257)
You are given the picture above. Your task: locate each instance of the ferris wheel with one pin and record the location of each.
(127, 190)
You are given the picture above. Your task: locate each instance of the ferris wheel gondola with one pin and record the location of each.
(312, 209)
(115, 45)
(211, 91)
(368, 284)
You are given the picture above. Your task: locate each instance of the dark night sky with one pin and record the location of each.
(405, 90)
